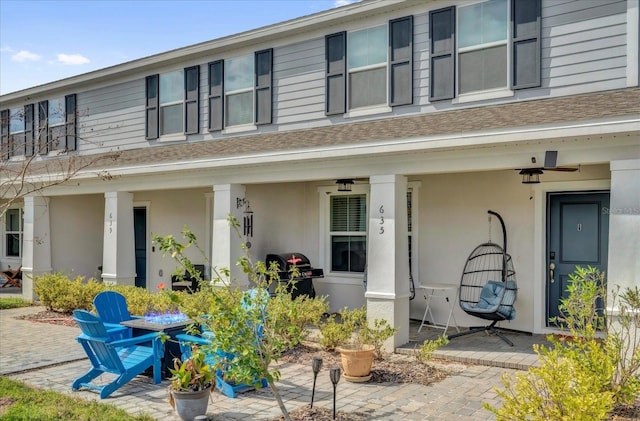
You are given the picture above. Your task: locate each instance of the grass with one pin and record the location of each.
(21, 402)
(6, 303)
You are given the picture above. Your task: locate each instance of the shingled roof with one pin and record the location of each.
(577, 108)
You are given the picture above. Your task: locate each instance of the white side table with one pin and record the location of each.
(444, 291)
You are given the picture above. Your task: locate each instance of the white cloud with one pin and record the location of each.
(24, 55)
(72, 59)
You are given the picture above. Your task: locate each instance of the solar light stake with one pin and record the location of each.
(334, 375)
(316, 364)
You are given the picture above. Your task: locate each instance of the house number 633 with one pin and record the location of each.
(381, 220)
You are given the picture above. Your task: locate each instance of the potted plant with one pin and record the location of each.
(363, 343)
(192, 381)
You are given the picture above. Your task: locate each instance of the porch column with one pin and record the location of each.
(624, 224)
(118, 256)
(388, 256)
(36, 243)
(226, 249)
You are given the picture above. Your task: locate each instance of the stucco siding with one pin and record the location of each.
(77, 224)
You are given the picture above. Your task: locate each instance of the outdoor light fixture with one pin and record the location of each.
(334, 375)
(316, 364)
(344, 184)
(530, 175)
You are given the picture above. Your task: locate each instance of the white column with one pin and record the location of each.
(624, 224)
(36, 243)
(118, 256)
(226, 245)
(388, 255)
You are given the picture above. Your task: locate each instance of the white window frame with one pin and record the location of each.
(6, 233)
(324, 261)
(180, 133)
(57, 107)
(230, 128)
(500, 92)
(16, 117)
(375, 108)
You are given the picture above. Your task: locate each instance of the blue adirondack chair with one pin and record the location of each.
(112, 309)
(223, 386)
(126, 357)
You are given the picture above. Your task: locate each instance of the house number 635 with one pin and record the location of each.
(381, 220)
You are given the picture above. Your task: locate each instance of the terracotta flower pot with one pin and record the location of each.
(356, 362)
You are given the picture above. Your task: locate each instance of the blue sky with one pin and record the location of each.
(46, 40)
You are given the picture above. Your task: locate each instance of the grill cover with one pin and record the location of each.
(303, 283)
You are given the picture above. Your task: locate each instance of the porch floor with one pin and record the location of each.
(479, 348)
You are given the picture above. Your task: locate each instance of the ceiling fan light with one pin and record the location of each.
(531, 176)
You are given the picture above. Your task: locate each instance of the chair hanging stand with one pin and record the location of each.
(488, 286)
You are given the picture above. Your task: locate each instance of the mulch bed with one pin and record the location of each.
(51, 317)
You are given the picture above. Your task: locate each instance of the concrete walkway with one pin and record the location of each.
(47, 356)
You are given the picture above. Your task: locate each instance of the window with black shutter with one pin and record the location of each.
(401, 61)
(263, 79)
(43, 127)
(442, 29)
(336, 82)
(71, 132)
(525, 16)
(216, 95)
(4, 134)
(29, 129)
(152, 109)
(192, 99)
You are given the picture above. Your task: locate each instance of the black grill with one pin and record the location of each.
(304, 281)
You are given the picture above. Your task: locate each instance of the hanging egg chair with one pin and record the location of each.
(488, 286)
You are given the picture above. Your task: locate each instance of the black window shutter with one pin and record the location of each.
(216, 95)
(336, 73)
(71, 128)
(153, 107)
(401, 61)
(525, 17)
(264, 81)
(5, 117)
(442, 56)
(43, 127)
(192, 99)
(29, 128)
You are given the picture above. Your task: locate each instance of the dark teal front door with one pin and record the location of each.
(140, 239)
(577, 235)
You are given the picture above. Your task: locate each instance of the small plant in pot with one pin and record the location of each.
(192, 381)
(357, 341)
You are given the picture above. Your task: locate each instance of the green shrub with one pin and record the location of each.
(428, 347)
(292, 317)
(584, 377)
(560, 389)
(335, 333)
(353, 328)
(59, 293)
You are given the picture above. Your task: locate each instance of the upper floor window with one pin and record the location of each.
(57, 128)
(240, 92)
(16, 131)
(13, 232)
(370, 67)
(367, 65)
(16, 120)
(172, 103)
(482, 47)
(348, 232)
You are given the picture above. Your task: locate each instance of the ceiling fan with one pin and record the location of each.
(532, 175)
